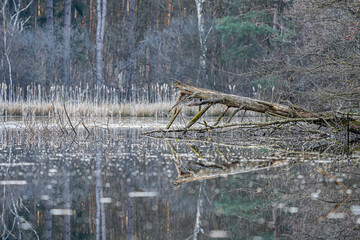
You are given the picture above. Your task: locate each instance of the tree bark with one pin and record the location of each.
(131, 60)
(67, 35)
(50, 16)
(49, 73)
(153, 62)
(203, 76)
(100, 32)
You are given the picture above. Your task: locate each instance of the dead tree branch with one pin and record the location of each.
(194, 96)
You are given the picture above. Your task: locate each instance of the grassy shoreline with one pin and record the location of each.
(80, 101)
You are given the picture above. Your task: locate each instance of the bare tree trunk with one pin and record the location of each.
(100, 32)
(153, 54)
(67, 35)
(6, 49)
(203, 71)
(50, 16)
(50, 56)
(244, 103)
(131, 61)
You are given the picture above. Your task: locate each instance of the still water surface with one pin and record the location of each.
(118, 184)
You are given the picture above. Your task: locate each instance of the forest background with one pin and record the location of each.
(305, 52)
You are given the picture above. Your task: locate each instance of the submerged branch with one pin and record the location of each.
(236, 125)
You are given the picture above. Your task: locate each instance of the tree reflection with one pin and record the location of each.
(221, 190)
(66, 198)
(266, 196)
(100, 211)
(15, 221)
(199, 210)
(48, 206)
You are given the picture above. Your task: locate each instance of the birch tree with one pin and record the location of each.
(50, 16)
(203, 73)
(100, 31)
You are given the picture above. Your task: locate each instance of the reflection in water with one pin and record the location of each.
(117, 184)
(48, 201)
(66, 197)
(199, 210)
(100, 212)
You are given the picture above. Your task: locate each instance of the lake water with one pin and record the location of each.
(116, 183)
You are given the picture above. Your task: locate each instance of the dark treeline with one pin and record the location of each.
(303, 51)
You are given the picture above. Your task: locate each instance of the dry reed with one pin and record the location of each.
(155, 101)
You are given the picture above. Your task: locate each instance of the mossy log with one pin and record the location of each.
(199, 96)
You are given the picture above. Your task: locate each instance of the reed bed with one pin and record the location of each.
(79, 101)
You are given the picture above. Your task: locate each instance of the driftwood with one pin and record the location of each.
(194, 96)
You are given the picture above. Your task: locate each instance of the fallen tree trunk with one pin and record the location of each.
(243, 103)
(198, 96)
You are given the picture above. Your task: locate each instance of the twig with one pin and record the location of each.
(82, 122)
(67, 115)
